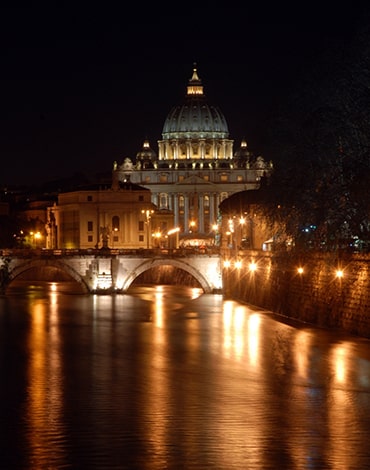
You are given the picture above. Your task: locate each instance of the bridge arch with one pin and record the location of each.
(152, 263)
(99, 272)
(41, 263)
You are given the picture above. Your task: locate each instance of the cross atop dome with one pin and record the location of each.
(195, 86)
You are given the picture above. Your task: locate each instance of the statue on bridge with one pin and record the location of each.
(104, 232)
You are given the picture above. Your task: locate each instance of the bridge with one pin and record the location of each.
(106, 271)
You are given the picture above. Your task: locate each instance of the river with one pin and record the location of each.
(166, 377)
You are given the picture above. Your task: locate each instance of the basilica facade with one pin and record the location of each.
(176, 190)
(196, 167)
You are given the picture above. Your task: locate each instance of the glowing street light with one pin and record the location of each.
(238, 264)
(148, 214)
(175, 231)
(252, 266)
(35, 237)
(216, 234)
(157, 236)
(242, 222)
(115, 230)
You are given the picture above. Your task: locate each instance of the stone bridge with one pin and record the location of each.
(100, 271)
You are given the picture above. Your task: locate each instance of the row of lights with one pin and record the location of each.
(338, 272)
(252, 266)
(238, 264)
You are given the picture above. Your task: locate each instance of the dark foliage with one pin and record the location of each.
(320, 142)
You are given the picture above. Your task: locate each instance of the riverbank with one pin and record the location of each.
(324, 289)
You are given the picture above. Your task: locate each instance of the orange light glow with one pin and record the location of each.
(252, 266)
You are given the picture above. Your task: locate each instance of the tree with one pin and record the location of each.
(322, 151)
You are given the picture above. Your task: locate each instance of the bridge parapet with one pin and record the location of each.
(111, 270)
(135, 252)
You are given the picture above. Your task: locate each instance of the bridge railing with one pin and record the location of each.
(139, 252)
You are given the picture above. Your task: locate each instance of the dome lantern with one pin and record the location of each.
(195, 118)
(195, 86)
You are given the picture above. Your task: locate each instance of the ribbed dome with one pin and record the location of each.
(146, 153)
(195, 118)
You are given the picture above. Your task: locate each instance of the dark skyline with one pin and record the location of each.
(80, 89)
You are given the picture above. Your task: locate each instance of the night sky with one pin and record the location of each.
(82, 88)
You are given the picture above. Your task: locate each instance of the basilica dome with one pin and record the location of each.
(195, 118)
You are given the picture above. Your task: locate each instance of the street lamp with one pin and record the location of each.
(175, 231)
(192, 225)
(216, 234)
(35, 237)
(157, 235)
(115, 230)
(148, 214)
(242, 241)
(230, 233)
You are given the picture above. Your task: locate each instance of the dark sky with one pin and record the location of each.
(81, 88)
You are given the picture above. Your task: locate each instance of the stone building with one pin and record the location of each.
(118, 217)
(165, 199)
(196, 167)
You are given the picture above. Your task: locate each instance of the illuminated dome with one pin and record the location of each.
(146, 156)
(242, 155)
(195, 118)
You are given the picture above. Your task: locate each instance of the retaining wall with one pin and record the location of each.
(315, 296)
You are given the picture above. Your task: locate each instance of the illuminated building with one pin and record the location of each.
(180, 188)
(196, 167)
(117, 217)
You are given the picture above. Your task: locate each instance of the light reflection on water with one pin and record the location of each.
(165, 377)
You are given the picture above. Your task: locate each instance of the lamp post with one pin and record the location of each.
(242, 241)
(35, 237)
(192, 226)
(230, 234)
(115, 230)
(157, 236)
(173, 244)
(216, 234)
(148, 214)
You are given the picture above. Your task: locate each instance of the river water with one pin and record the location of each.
(167, 377)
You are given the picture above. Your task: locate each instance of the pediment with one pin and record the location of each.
(194, 179)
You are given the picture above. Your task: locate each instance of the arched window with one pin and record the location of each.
(163, 201)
